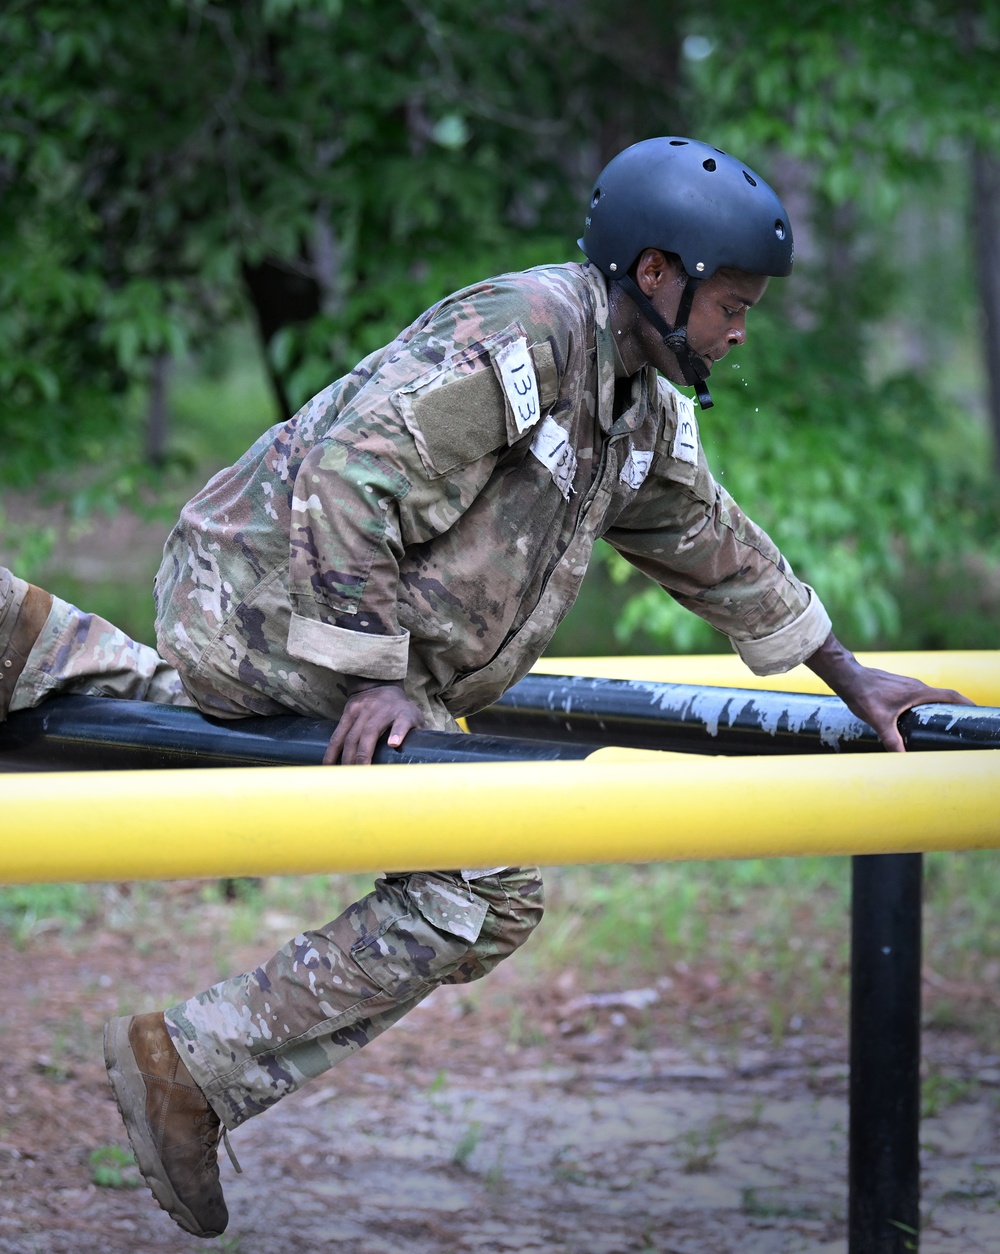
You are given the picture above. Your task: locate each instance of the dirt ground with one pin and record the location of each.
(521, 1113)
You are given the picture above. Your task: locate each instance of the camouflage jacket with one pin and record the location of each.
(431, 515)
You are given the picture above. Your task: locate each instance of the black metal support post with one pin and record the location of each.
(884, 1154)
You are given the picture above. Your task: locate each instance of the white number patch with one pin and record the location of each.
(517, 375)
(636, 467)
(552, 448)
(685, 446)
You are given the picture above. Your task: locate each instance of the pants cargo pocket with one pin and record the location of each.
(422, 926)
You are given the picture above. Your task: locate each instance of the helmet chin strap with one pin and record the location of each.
(693, 369)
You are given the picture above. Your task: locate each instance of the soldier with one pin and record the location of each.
(400, 553)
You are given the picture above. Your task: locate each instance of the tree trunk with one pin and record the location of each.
(986, 267)
(280, 295)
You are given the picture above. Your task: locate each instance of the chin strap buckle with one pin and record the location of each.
(677, 341)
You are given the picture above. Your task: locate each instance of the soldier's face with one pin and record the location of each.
(718, 320)
(718, 316)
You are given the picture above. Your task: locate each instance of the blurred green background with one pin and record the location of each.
(209, 211)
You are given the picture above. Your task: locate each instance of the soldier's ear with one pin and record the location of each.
(655, 268)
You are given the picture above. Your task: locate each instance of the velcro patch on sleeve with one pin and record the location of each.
(548, 375)
(454, 421)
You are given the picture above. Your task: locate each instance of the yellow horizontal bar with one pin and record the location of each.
(976, 673)
(113, 825)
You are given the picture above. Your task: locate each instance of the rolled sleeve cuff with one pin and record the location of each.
(350, 652)
(789, 646)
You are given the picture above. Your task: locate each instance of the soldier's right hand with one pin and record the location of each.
(372, 710)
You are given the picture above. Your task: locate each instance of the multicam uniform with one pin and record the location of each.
(429, 518)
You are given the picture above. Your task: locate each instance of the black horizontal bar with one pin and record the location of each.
(542, 718)
(692, 719)
(100, 733)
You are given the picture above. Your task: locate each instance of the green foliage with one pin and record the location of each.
(467, 1144)
(26, 546)
(857, 480)
(870, 95)
(112, 1167)
(28, 909)
(732, 916)
(939, 1092)
(386, 150)
(780, 924)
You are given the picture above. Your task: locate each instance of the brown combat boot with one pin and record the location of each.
(173, 1131)
(23, 611)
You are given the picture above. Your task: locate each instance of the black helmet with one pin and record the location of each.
(688, 198)
(695, 201)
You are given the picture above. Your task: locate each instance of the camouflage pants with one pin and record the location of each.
(251, 1040)
(84, 654)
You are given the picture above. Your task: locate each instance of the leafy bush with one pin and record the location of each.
(862, 483)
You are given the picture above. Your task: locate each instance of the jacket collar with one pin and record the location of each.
(607, 358)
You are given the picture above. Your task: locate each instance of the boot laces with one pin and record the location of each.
(214, 1132)
(231, 1152)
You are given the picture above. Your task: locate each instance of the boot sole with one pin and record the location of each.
(129, 1089)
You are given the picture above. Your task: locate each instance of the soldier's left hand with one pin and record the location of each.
(877, 697)
(880, 697)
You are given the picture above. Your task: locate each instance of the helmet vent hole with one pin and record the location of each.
(678, 143)
(709, 164)
(779, 228)
(596, 196)
(750, 179)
